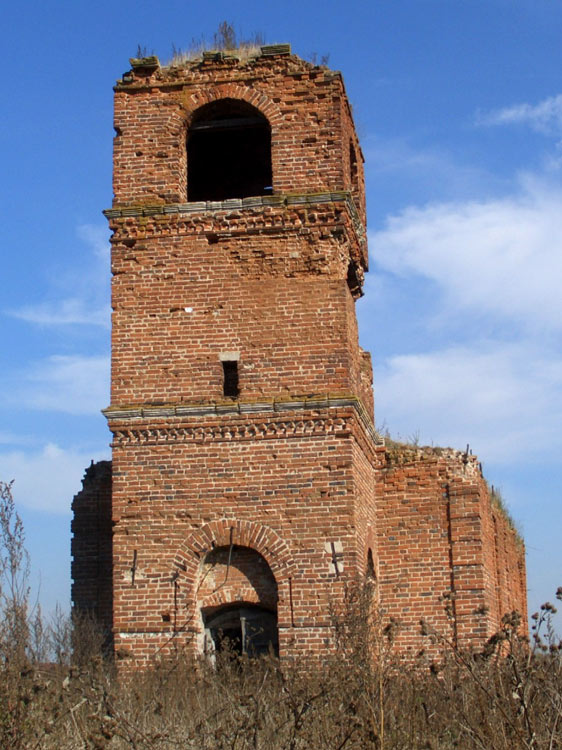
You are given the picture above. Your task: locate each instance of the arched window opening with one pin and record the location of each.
(242, 629)
(370, 573)
(228, 152)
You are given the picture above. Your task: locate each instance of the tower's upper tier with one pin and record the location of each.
(219, 128)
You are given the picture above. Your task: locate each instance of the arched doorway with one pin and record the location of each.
(228, 152)
(237, 599)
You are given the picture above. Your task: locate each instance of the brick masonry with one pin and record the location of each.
(273, 498)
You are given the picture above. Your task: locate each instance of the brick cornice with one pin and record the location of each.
(236, 204)
(132, 424)
(229, 432)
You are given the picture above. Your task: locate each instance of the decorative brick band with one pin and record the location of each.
(247, 431)
(231, 204)
(250, 430)
(229, 531)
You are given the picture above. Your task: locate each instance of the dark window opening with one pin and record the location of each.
(228, 152)
(370, 574)
(353, 171)
(244, 629)
(353, 280)
(230, 382)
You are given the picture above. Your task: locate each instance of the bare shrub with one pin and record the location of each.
(507, 696)
(14, 581)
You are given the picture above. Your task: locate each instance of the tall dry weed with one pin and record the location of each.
(59, 690)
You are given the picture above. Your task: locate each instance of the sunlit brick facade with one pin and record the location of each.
(248, 484)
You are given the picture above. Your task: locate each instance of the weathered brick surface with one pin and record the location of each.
(294, 484)
(306, 106)
(281, 496)
(441, 559)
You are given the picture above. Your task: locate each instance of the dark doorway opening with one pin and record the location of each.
(228, 152)
(243, 629)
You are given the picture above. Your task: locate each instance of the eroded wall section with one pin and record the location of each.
(448, 554)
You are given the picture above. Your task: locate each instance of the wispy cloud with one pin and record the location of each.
(68, 384)
(81, 296)
(46, 479)
(71, 311)
(10, 438)
(96, 236)
(544, 117)
(503, 399)
(432, 168)
(499, 257)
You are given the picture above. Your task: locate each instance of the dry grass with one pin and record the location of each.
(506, 697)
(225, 40)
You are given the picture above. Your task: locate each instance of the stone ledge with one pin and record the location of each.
(298, 199)
(138, 413)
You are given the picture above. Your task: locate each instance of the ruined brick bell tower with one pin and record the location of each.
(241, 403)
(241, 495)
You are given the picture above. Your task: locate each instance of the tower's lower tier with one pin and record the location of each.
(251, 526)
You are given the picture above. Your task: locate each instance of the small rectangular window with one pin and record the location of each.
(230, 382)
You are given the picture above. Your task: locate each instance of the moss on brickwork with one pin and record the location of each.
(499, 504)
(399, 453)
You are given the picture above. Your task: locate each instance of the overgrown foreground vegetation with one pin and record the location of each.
(57, 690)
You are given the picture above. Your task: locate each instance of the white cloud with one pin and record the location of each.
(64, 312)
(544, 117)
(81, 295)
(499, 257)
(503, 399)
(96, 236)
(491, 271)
(48, 479)
(70, 384)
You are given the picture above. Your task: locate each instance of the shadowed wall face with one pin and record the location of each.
(91, 546)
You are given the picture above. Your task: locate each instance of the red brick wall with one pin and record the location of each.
(440, 558)
(295, 480)
(291, 318)
(510, 575)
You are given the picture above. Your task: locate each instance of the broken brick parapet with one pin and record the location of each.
(461, 463)
(305, 105)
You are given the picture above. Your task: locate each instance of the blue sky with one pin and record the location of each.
(458, 104)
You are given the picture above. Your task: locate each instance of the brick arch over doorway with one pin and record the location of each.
(225, 532)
